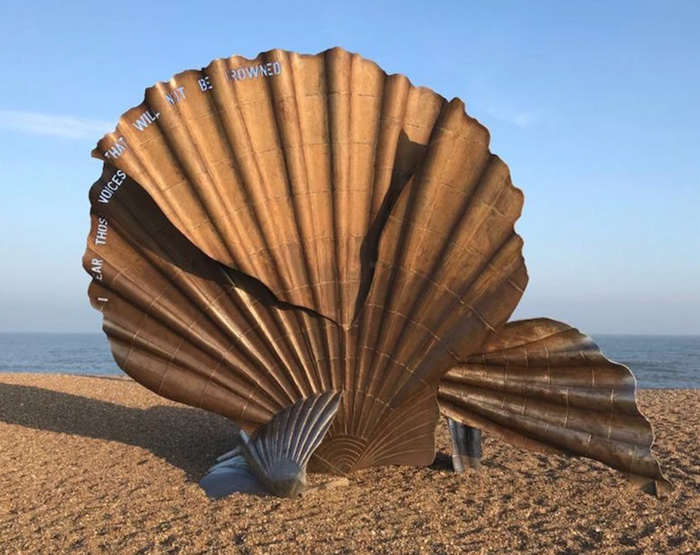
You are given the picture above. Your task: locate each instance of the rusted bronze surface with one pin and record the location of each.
(267, 230)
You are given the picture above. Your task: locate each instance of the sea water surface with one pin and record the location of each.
(658, 362)
(57, 353)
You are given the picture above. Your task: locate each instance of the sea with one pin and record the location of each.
(658, 361)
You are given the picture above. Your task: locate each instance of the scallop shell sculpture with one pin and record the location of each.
(267, 231)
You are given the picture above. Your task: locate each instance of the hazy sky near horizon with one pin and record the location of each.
(595, 106)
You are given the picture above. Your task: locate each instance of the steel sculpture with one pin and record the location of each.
(306, 233)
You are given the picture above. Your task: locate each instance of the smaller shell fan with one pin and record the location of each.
(545, 386)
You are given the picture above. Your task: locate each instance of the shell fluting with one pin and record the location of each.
(292, 224)
(282, 449)
(274, 459)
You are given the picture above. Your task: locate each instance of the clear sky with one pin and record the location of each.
(595, 106)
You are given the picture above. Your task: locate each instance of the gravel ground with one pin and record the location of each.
(99, 465)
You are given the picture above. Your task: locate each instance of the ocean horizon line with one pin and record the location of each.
(661, 361)
(123, 376)
(592, 334)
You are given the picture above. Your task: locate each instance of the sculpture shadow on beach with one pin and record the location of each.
(186, 438)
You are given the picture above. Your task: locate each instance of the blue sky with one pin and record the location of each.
(595, 106)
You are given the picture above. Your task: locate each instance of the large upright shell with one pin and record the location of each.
(274, 459)
(322, 227)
